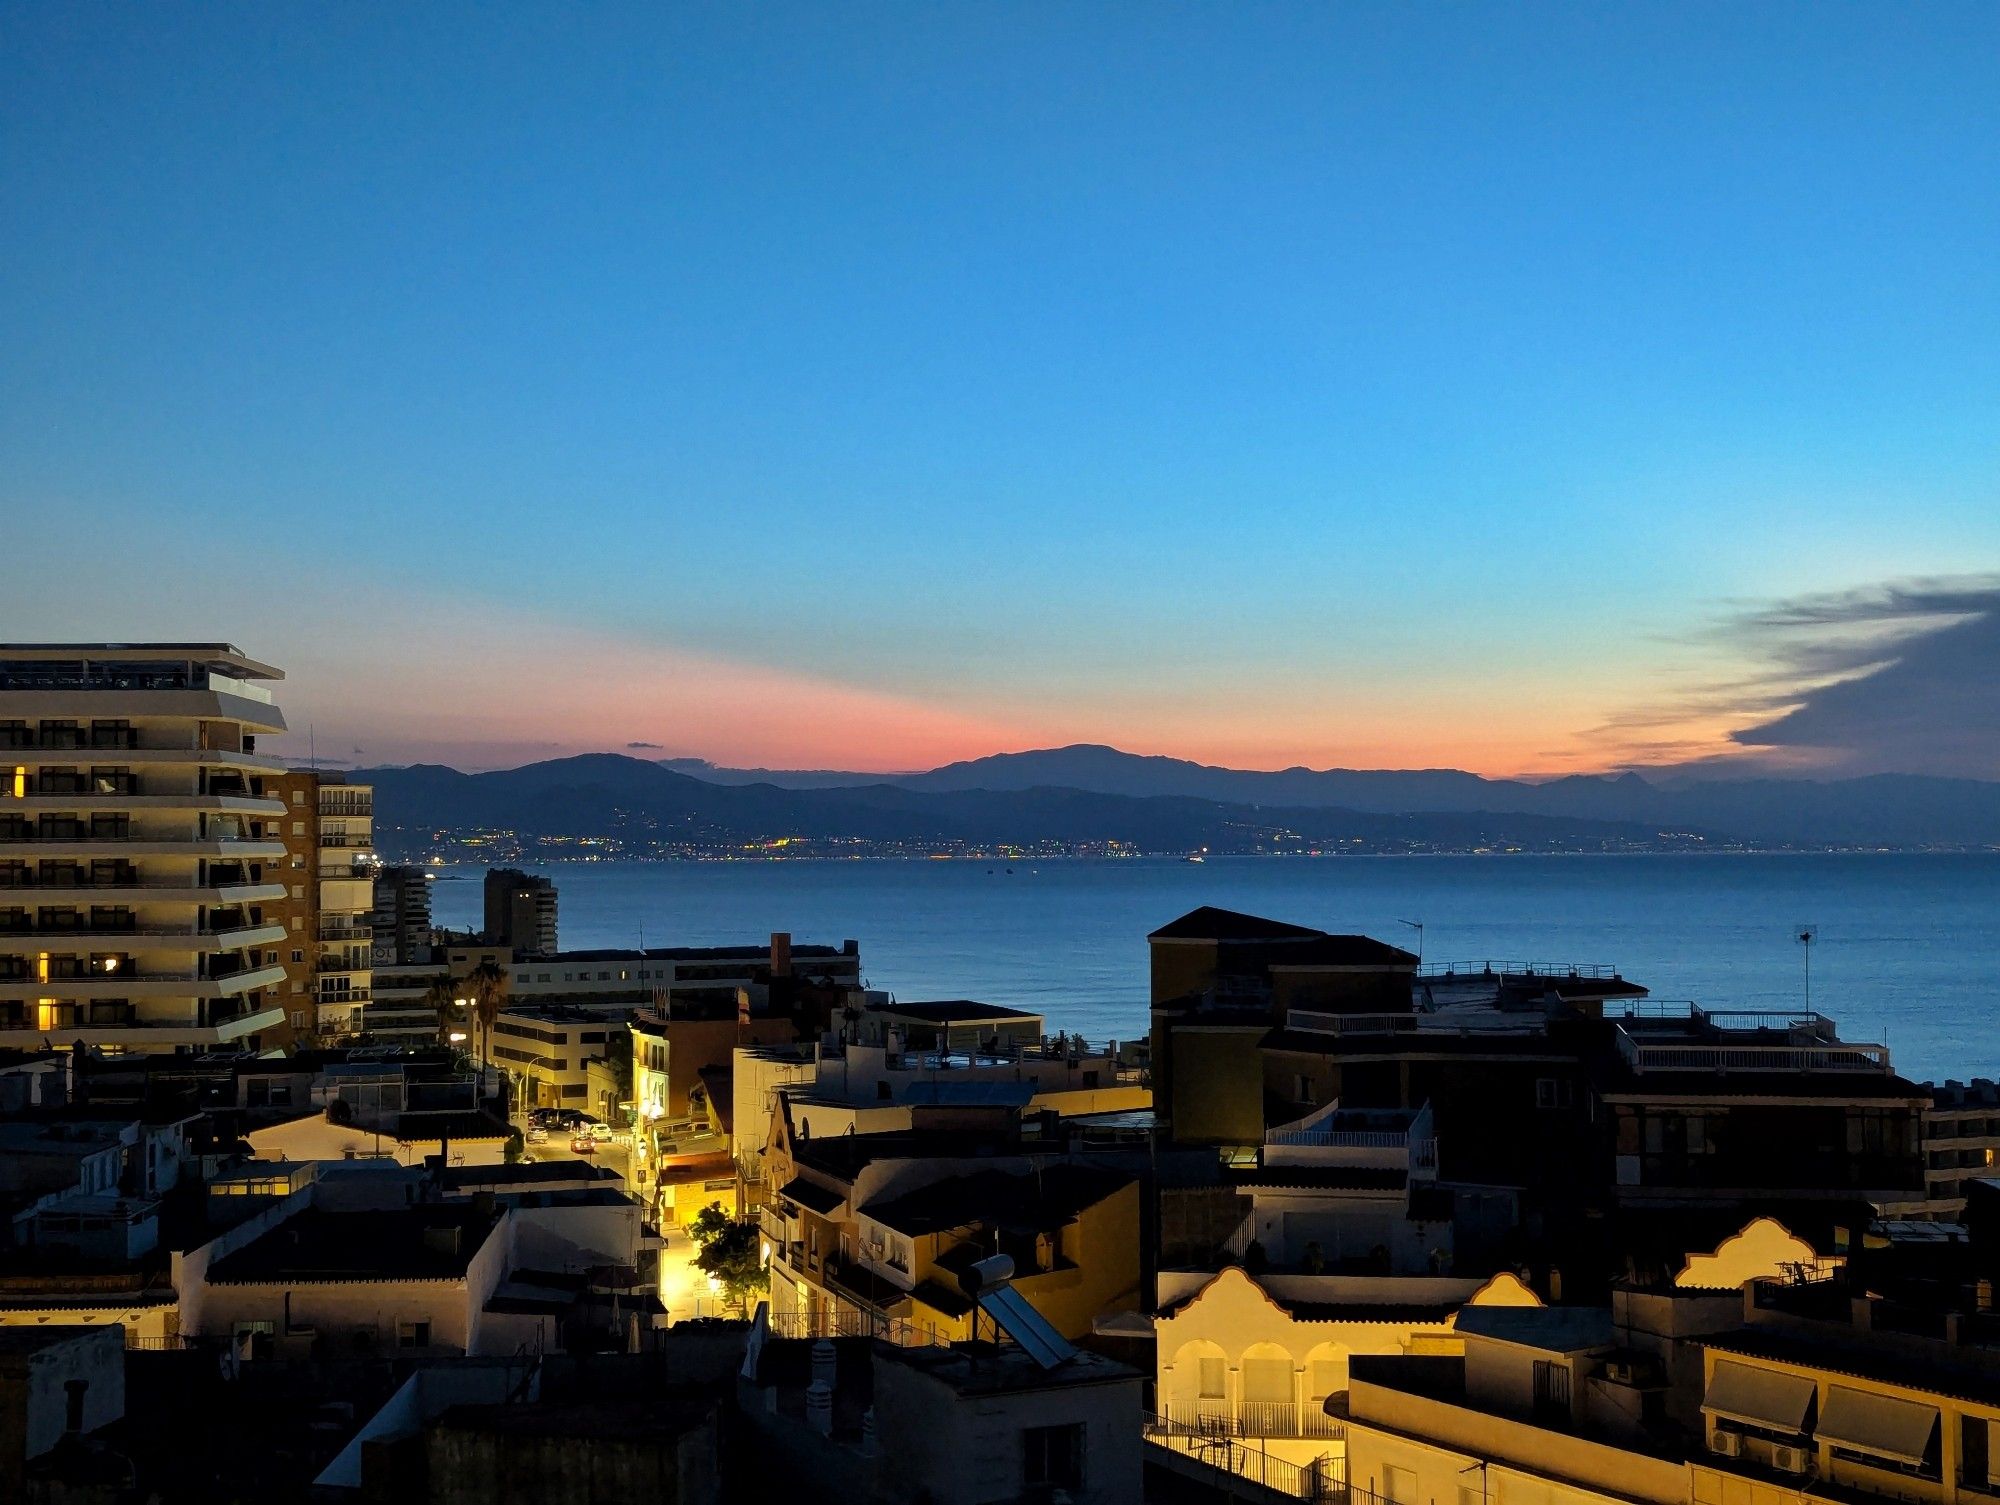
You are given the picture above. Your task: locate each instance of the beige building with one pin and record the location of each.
(139, 848)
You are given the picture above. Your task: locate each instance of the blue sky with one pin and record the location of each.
(1358, 384)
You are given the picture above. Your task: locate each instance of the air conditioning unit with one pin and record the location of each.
(1728, 1444)
(1790, 1460)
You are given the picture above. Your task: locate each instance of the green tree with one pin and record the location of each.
(735, 1259)
(710, 1224)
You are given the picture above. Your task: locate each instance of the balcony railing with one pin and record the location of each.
(1755, 1056)
(1223, 1460)
(1253, 1418)
(1597, 971)
(845, 1322)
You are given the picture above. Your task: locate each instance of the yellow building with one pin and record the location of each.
(879, 1232)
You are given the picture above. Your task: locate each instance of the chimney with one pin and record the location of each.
(781, 953)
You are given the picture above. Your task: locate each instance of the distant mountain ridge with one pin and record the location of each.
(1887, 810)
(645, 804)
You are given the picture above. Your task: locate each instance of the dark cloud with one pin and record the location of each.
(1899, 678)
(636, 746)
(1902, 677)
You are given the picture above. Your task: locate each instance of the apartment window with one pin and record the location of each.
(1052, 1457)
(1214, 1379)
(298, 955)
(298, 891)
(295, 922)
(1552, 1093)
(1307, 1093)
(298, 796)
(413, 1335)
(298, 828)
(298, 1016)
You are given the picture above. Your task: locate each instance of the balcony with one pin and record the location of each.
(84, 800)
(21, 843)
(134, 983)
(131, 886)
(1253, 1418)
(1232, 1469)
(31, 1030)
(342, 930)
(140, 938)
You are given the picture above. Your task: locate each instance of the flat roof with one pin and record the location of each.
(434, 1241)
(1553, 1329)
(983, 1369)
(759, 951)
(224, 656)
(1035, 1200)
(951, 1011)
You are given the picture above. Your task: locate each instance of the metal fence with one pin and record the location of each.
(1323, 1481)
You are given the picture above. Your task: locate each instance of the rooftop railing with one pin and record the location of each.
(1597, 971)
(1773, 1056)
(1447, 1022)
(1225, 1459)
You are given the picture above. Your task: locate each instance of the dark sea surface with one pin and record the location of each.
(1908, 949)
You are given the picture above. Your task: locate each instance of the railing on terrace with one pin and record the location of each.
(1323, 1482)
(1645, 1011)
(1747, 1056)
(1258, 1419)
(847, 1323)
(1599, 971)
(1318, 1022)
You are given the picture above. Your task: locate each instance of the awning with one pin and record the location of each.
(1755, 1397)
(1879, 1424)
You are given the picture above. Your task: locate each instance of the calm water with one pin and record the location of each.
(1909, 948)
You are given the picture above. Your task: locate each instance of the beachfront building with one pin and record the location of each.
(139, 848)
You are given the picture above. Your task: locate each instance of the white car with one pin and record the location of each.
(601, 1132)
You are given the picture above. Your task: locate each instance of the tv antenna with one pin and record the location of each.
(1418, 926)
(1805, 935)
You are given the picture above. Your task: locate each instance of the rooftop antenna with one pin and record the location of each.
(1805, 935)
(1418, 926)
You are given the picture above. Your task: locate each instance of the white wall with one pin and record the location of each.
(965, 1452)
(98, 1359)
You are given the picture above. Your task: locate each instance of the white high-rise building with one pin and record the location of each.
(138, 848)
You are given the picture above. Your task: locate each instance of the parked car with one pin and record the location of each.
(598, 1130)
(537, 1134)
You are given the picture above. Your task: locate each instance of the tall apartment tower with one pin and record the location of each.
(328, 954)
(139, 850)
(402, 916)
(521, 911)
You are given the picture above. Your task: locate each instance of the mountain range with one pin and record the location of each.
(1088, 797)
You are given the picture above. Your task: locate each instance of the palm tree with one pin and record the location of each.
(440, 997)
(486, 986)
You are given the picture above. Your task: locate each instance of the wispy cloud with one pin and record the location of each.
(1898, 677)
(639, 746)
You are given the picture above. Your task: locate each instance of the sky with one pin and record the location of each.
(1529, 389)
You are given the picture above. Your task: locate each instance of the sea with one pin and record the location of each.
(1906, 947)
